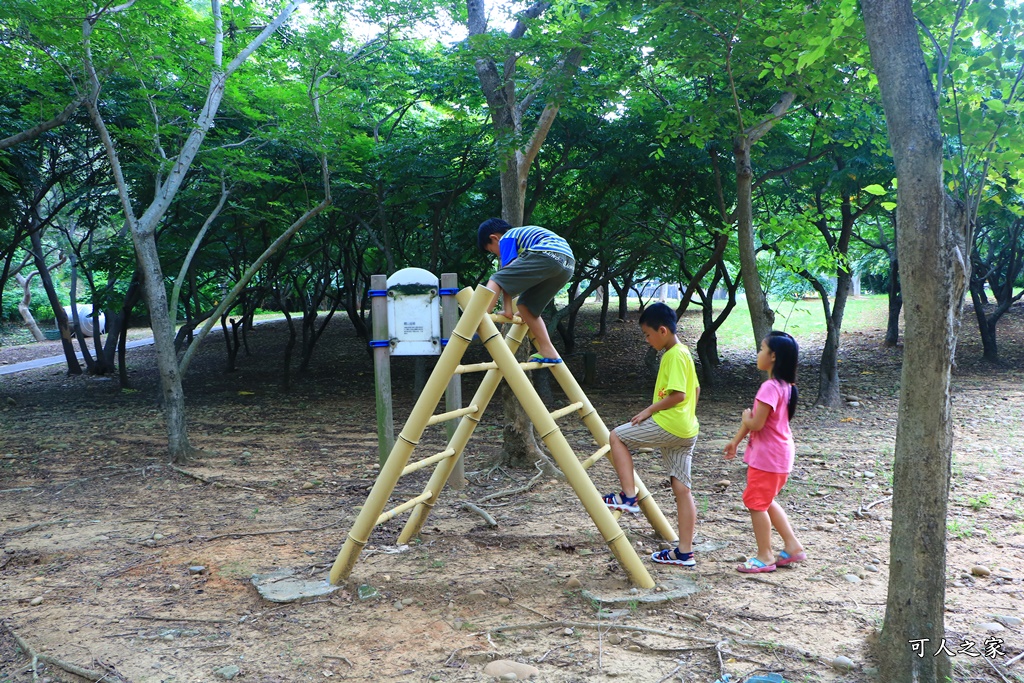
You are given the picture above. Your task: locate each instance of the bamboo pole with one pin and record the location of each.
(563, 453)
(410, 434)
(600, 432)
(488, 385)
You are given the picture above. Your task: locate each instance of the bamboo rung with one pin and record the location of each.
(501, 319)
(444, 417)
(420, 464)
(600, 453)
(562, 412)
(475, 367)
(394, 512)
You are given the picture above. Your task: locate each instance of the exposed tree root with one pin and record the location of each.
(480, 511)
(741, 639)
(197, 477)
(511, 492)
(91, 674)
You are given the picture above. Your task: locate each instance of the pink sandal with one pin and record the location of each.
(755, 566)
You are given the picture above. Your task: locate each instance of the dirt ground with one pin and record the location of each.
(102, 541)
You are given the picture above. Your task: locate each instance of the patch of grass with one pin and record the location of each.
(803, 317)
(15, 335)
(958, 529)
(981, 502)
(799, 318)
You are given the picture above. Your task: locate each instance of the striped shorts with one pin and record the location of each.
(676, 452)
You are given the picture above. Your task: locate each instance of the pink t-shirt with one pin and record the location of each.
(771, 449)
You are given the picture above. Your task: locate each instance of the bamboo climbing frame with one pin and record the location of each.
(476, 319)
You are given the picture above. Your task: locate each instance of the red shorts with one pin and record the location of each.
(762, 487)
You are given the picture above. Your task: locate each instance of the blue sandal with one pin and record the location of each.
(620, 501)
(673, 556)
(537, 358)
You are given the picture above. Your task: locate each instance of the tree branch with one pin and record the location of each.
(778, 110)
(172, 307)
(34, 132)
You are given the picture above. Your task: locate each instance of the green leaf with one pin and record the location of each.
(980, 63)
(875, 189)
(888, 206)
(996, 105)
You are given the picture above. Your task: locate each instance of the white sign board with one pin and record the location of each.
(414, 313)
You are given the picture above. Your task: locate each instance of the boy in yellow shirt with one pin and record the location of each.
(670, 424)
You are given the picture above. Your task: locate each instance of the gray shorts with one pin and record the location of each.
(535, 277)
(676, 452)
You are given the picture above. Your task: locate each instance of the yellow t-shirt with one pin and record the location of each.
(677, 373)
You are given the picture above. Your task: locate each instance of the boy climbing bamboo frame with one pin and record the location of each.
(533, 264)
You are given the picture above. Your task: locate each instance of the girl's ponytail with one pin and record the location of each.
(787, 353)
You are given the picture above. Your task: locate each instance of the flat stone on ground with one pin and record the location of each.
(283, 586)
(502, 667)
(672, 589)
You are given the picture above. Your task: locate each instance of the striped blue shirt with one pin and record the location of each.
(530, 238)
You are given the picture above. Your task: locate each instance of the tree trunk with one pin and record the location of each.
(934, 272)
(143, 228)
(892, 327)
(986, 324)
(828, 371)
(24, 307)
(707, 344)
(602, 329)
(519, 440)
(762, 317)
(507, 114)
(289, 349)
(231, 341)
(121, 324)
(172, 393)
(707, 354)
(623, 295)
(74, 368)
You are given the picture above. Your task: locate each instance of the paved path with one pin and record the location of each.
(54, 360)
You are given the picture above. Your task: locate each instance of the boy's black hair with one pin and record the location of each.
(491, 226)
(787, 354)
(659, 315)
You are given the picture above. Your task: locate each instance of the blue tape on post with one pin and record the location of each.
(378, 292)
(448, 291)
(444, 341)
(380, 343)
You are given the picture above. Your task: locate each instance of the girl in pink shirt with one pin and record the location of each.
(769, 453)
